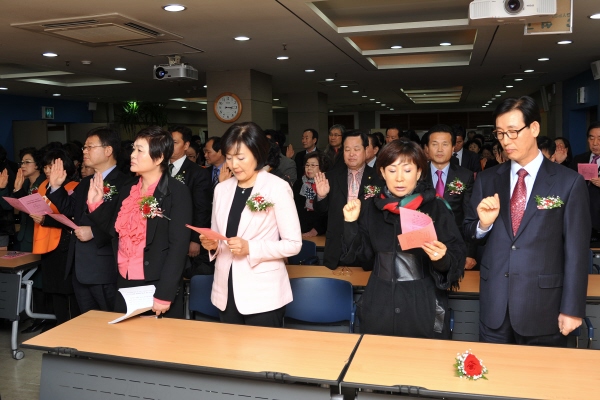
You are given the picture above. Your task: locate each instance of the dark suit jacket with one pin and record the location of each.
(199, 181)
(94, 260)
(471, 161)
(542, 271)
(333, 205)
(167, 241)
(593, 190)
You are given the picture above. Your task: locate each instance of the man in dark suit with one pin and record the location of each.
(198, 180)
(214, 158)
(341, 185)
(593, 185)
(465, 158)
(90, 250)
(310, 137)
(534, 215)
(452, 182)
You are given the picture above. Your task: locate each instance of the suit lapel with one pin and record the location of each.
(247, 215)
(160, 194)
(503, 182)
(449, 179)
(342, 178)
(544, 182)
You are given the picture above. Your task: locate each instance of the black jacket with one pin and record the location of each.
(593, 190)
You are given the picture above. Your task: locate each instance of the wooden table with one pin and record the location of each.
(11, 279)
(427, 367)
(318, 240)
(355, 275)
(188, 356)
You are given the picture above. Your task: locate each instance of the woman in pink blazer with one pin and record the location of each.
(255, 210)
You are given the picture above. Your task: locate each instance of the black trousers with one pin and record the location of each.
(231, 315)
(94, 297)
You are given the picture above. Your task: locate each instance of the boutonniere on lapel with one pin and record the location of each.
(547, 203)
(180, 177)
(149, 208)
(109, 191)
(33, 189)
(371, 191)
(258, 203)
(455, 187)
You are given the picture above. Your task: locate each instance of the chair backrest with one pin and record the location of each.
(200, 289)
(321, 300)
(307, 255)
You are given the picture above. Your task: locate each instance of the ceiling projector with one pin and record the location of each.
(175, 72)
(485, 12)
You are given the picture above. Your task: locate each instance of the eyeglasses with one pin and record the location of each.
(25, 162)
(334, 135)
(511, 133)
(84, 148)
(342, 271)
(311, 165)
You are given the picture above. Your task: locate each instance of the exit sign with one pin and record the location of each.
(47, 112)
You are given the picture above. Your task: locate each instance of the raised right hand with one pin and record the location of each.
(352, 210)
(560, 155)
(19, 180)
(488, 210)
(4, 179)
(224, 173)
(322, 185)
(207, 243)
(96, 190)
(57, 174)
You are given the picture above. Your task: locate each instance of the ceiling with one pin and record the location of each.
(348, 40)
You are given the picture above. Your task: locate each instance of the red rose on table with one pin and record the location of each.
(146, 209)
(472, 365)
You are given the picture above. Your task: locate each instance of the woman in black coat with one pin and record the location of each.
(146, 223)
(407, 293)
(312, 222)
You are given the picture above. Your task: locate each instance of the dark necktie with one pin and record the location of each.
(171, 166)
(595, 159)
(518, 201)
(454, 160)
(215, 177)
(439, 186)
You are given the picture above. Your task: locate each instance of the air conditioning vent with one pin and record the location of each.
(101, 30)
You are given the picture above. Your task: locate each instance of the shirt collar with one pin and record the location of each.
(178, 163)
(532, 168)
(444, 170)
(361, 170)
(108, 171)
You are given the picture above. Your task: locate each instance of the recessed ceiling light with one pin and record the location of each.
(565, 42)
(372, 99)
(489, 102)
(377, 102)
(86, 62)
(445, 44)
(275, 99)
(183, 107)
(509, 86)
(544, 59)
(50, 55)
(329, 79)
(344, 86)
(391, 109)
(56, 95)
(364, 95)
(204, 109)
(396, 47)
(241, 38)
(528, 70)
(3, 88)
(309, 70)
(483, 106)
(595, 16)
(330, 110)
(283, 58)
(205, 86)
(383, 105)
(498, 95)
(120, 69)
(518, 79)
(355, 91)
(174, 8)
(503, 91)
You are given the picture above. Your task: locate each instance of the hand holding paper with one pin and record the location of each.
(417, 229)
(138, 299)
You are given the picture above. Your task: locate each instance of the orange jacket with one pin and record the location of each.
(45, 238)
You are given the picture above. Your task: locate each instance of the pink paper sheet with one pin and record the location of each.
(417, 229)
(209, 233)
(589, 171)
(32, 204)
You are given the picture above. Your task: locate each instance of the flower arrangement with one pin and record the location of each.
(180, 177)
(470, 367)
(149, 208)
(547, 203)
(33, 189)
(456, 186)
(258, 203)
(371, 191)
(109, 191)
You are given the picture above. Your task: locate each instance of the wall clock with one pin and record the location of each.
(228, 107)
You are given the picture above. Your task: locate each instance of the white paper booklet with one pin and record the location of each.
(138, 299)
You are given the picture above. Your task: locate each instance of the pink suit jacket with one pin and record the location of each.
(260, 280)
